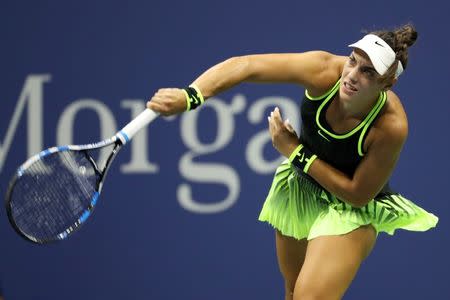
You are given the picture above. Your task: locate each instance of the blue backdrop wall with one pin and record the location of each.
(178, 214)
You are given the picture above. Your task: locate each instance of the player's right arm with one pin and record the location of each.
(316, 71)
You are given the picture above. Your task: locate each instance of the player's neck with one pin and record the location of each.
(355, 108)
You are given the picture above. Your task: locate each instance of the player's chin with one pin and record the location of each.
(346, 97)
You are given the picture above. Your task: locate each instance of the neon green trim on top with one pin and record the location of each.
(351, 132)
(366, 127)
(324, 95)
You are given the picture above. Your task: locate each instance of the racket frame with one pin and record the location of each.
(119, 139)
(99, 184)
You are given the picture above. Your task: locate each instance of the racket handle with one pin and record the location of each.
(142, 120)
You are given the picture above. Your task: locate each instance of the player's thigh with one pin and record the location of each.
(291, 255)
(332, 262)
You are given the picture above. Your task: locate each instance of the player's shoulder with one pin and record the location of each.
(331, 70)
(393, 121)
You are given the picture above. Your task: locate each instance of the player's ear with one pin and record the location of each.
(390, 84)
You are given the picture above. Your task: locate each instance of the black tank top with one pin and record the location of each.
(342, 151)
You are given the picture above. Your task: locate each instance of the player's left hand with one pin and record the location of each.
(284, 137)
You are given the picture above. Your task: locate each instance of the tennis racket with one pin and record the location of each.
(55, 191)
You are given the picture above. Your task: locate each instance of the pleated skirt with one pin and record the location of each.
(300, 208)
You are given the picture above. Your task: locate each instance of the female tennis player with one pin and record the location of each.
(331, 197)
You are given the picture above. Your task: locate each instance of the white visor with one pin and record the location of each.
(380, 53)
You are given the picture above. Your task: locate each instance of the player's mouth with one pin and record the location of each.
(349, 88)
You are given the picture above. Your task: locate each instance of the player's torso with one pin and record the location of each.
(338, 142)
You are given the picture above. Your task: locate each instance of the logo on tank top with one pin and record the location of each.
(322, 135)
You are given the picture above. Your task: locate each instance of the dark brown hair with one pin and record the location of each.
(399, 39)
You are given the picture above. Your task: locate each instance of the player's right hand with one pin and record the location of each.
(168, 101)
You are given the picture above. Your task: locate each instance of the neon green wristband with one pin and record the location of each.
(194, 97)
(301, 158)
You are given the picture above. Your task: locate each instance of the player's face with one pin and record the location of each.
(359, 81)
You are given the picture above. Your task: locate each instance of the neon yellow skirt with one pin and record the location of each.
(300, 208)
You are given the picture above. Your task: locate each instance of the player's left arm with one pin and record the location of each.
(374, 170)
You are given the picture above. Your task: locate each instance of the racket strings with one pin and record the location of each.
(52, 194)
(59, 214)
(87, 188)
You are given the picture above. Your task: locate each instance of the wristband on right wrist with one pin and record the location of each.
(194, 97)
(302, 158)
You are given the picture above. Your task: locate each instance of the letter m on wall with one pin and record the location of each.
(32, 96)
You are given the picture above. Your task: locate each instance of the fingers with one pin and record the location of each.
(275, 117)
(288, 125)
(156, 102)
(168, 101)
(276, 122)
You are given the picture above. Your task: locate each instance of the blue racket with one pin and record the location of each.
(55, 191)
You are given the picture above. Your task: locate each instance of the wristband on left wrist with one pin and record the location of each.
(302, 158)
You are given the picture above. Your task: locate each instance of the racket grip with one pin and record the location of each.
(142, 120)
